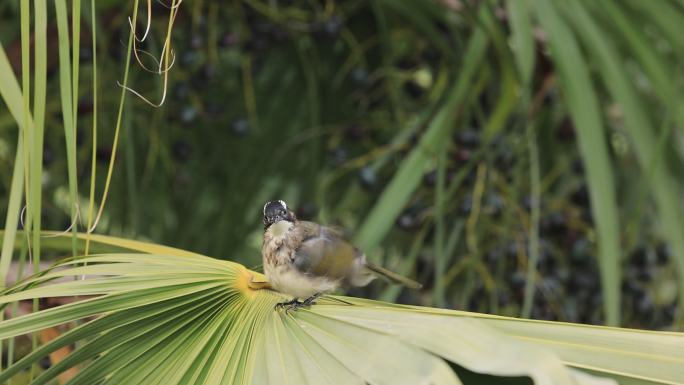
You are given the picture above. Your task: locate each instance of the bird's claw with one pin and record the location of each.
(295, 304)
(292, 305)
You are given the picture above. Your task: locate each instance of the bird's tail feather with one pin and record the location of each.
(392, 276)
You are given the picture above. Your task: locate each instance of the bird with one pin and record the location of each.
(306, 260)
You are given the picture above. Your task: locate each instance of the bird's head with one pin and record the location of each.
(276, 211)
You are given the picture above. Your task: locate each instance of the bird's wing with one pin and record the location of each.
(324, 252)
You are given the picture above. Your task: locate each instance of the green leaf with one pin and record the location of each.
(654, 65)
(11, 95)
(583, 105)
(68, 79)
(521, 35)
(396, 194)
(641, 131)
(667, 17)
(36, 154)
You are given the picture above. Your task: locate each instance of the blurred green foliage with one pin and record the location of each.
(405, 122)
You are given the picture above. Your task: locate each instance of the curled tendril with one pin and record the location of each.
(149, 22)
(159, 70)
(144, 99)
(172, 6)
(167, 58)
(74, 222)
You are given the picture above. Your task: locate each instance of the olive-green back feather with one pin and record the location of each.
(324, 251)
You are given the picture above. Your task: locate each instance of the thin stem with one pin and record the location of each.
(533, 245)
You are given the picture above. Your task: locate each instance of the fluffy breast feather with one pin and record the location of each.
(286, 279)
(281, 242)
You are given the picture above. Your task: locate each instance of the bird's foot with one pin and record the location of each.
(295, 304)
(290, 305)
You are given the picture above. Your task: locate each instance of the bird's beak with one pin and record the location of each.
(276, 218)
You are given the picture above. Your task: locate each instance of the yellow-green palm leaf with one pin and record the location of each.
(175, 317)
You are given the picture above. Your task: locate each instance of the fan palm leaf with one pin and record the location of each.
(176, 317)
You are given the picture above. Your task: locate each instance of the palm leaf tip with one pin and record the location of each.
(170, 319)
